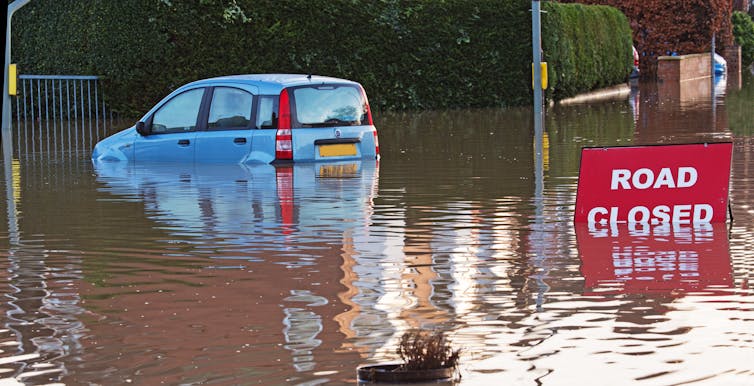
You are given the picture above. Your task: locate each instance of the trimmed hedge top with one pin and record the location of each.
(588, 47)
(408, 54)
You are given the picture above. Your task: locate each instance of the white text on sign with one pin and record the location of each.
(644, 178)
(678, 214)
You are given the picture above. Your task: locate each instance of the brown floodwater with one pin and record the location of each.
(207, 274)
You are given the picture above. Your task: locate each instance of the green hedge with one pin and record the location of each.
(586, 47)
(409, 54)
(743, 31)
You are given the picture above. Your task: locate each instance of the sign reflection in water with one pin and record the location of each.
(639, 258)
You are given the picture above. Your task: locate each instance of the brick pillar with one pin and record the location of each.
(669, 69)
(732, 55)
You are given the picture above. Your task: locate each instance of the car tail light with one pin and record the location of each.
(367, 108)
(284, 136)
(370, 122)
(284, 144)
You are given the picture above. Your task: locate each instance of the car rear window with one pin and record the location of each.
(329, 105)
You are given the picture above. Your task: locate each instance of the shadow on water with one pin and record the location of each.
(118, 273)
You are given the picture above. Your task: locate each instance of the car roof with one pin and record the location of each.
(270, 83)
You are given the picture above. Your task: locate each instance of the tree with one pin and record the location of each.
(662, 27)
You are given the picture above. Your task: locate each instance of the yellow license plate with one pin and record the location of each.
(338, 170)
(337, 150)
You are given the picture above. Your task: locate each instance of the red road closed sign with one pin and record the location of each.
(680, 184)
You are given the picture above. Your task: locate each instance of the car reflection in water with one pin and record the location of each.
(281, 222)
(243, 199)
(665, 258)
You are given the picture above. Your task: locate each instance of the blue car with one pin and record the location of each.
(721, 66)
(270, 118)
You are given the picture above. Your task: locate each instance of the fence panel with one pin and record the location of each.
(58, 116)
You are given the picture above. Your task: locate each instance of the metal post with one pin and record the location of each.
(7, 138)
(712, 84)
(536, 55)
(538, 113)
(712, 59)
(538, 226)
(712, 70)
(537, 70)
(12, 8)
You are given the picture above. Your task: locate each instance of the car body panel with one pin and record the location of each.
(306, 147)
(223, 146)
(262, 146)
(173, 147)
(117, 147)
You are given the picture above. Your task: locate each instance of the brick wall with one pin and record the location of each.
(684, 67)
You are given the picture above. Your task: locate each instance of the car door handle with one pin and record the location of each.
(239, 141)
(183, 142)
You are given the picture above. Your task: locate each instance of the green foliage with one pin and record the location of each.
(408, 54)
(743, 31)
(586, 47)
(739, 104)
(119, 40)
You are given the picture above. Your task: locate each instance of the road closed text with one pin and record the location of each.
(646, 178)
(680, 184)
(677, 214)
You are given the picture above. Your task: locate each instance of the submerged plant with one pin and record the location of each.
(424, 350)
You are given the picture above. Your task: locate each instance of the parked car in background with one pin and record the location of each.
(721, 65)
(635, 72)
(268, 118)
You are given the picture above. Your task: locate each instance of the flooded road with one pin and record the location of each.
(201, 274)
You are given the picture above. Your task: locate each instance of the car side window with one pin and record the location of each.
(267, 112)
(179, 114)
(230, 109)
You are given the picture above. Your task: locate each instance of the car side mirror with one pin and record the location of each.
(142, 129)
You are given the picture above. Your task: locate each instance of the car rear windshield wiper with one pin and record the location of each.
(331, 122)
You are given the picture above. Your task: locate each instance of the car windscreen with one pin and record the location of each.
(329, 105)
